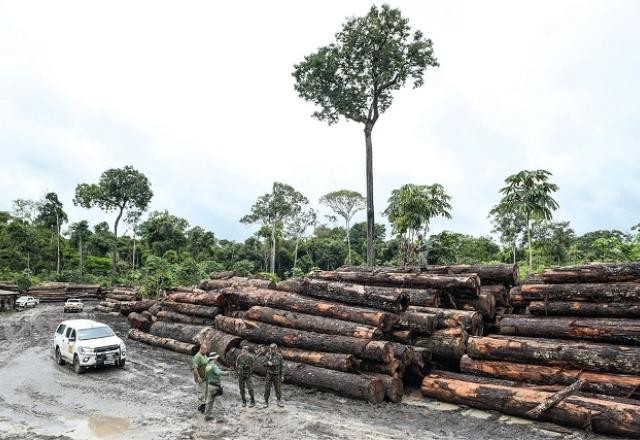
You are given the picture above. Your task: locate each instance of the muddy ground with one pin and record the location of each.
(153, 398)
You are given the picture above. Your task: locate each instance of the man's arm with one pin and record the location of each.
(196, 375)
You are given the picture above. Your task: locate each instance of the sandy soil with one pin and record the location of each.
(153, 398)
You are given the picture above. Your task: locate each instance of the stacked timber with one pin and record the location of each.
(60, 292)
(115, 298)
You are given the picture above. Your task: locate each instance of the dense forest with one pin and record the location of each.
(38, 242)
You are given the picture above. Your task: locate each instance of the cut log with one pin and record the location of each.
(248, 297)
(136, 320)
(593, 273)
(154, 309)
(313, 323)
(585, 309)
(223, 275)
(121, 297)
(485, 303)
(395, 368)
(571, 354)
(266, 333)
(471, 321)
(614, 330)
(406, 337)
(217, 341)
(499, 292)
(198, 296)
(166, 315)
(425, 297)
(599, 383)
(136, 306)
(332, 361)
(393, 387)
(445, 348)
(191, 309)
(209, 285)
(404, 353)
(420, 323)
(347, 384)
(592, 292)
(104, 309)
(169, 344)
(172, 330)
(459, 286)
(602, 415)
(238, 282)
(293, 285)
(384, 298)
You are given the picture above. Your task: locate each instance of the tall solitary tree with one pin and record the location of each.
(527, 194)
(51, 215)
(411, 209)
(354, 77)
(272, 209)
(118, 190)
(346, 204)
(79, 235)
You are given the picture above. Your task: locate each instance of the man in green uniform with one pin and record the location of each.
(273, 362)
(207, 376)
(199, 364)
(244, 366)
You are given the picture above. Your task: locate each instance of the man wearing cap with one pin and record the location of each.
(244, 366)
(207, 376)
(273, 362)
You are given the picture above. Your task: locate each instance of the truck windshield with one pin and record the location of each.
(94, 333)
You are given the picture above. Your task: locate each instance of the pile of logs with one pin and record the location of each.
(60, 292)
(571, 354)
(115, 298)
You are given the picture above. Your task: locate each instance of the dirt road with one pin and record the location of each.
(153, 398)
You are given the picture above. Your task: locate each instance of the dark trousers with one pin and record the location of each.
(275, 380)
(246, 382)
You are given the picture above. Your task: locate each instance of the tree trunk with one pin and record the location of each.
(394, 368)
(461, 285)
(80, 252)
(58, 240)
(313, 323)
(384, 298)
(168, 316)
(332, 361)
(169, 344)
(553, 352)
(593, 292)
(136, 320)
(347, 384)
(470, 321)
(273, 248)
(446, 346)
(248, 297)
(485, 304)
(422, 323)
(179, 332)
(393, 386)
(499, 292)
(348, 243)
(266, 333)
(603, 416)
(529, 241)
(191, 309)
(599, 383)
(295, 253)
(584, 309)
(133, 257)
(236, 282)
(136, 306)
(200, 297)
(114, 254)
(371, 252)
(593, 273)
(293, 285)
(614, 330)
(406, 337)
(224, 275)
(424, 297)
(217, 341)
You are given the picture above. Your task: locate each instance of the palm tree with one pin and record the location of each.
(528, 194)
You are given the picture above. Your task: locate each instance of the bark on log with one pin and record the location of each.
(266, 333)
(154, 309)
(556, 398)
(384, 298)
(472, 322)
(136, 306)
(599, 383)
(168, 316)
(425, 297)
(248, 297)
(217, 341)
(223, 275)
(111, 304)
(237, 282)
(136, 320)
(459, 286)
(591, 292)
(404, 353)
(104, 309)
(209, 285)
(199, 297)
(332, 361)
(121, 297)
(191, 309)
(593, 273)
(444, 347)
(553, 352)
(485, 303)
(422, 323)
(614, 330)
(179, 332)
(395, 368)
(393, 387)
(313, 323)
(602, 415)
(169, 344)
(585, 309)
(406, 337)
(506, 274)
(346, 384)
(293, 285)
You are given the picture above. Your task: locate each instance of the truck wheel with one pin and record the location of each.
(59, 359)
(76, 365)
(120, 363)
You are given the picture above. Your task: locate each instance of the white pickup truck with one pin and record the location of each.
(27, 301)
(87, 343)
(73, 305)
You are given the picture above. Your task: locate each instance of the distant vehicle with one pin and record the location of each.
(73, 305)
(27, 301)
(86, 343)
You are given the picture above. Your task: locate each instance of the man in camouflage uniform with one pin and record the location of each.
(273, 362)
(244, 367)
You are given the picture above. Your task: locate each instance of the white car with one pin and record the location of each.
(73, 305)
(27, 301)
(87, 343)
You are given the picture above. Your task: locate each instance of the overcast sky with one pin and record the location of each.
(199, 97)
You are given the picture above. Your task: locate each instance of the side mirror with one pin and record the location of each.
(72, 339)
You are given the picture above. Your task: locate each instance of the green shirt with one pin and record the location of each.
(200, 362)
(244, 364)
(213, 373)
(274, 363)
